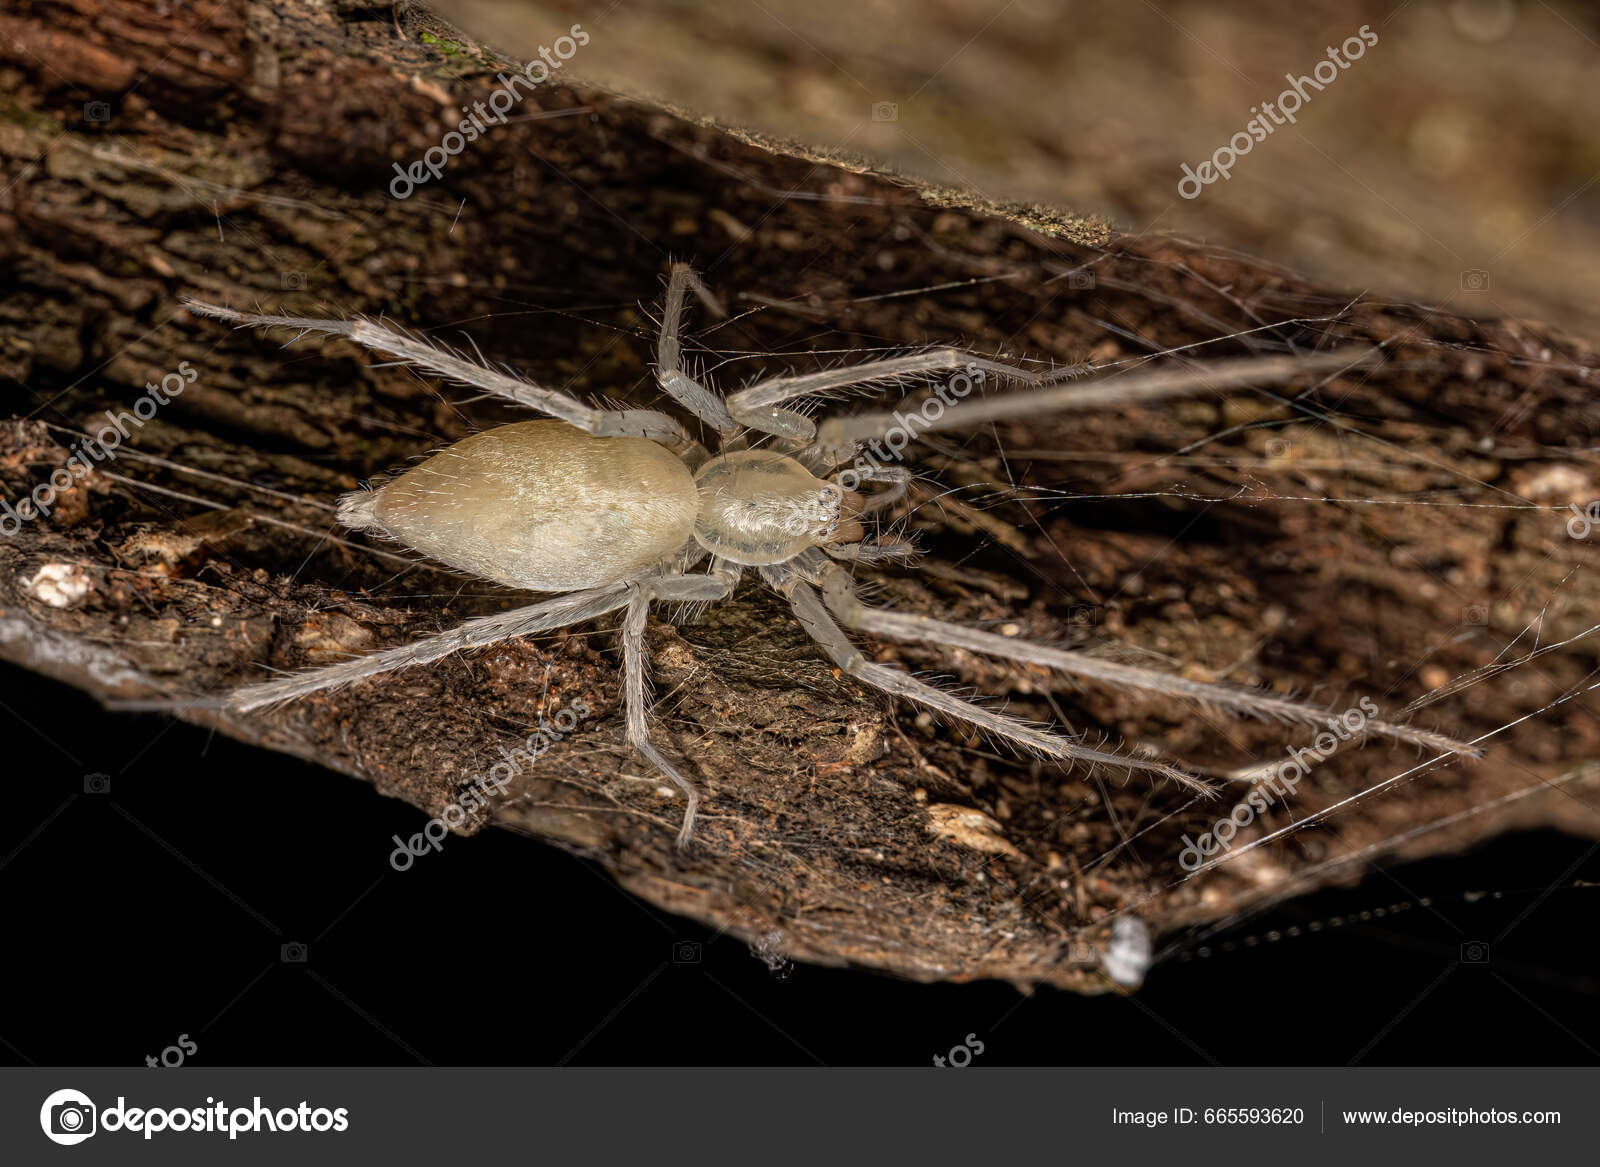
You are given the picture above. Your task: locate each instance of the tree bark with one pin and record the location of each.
(1384, 535)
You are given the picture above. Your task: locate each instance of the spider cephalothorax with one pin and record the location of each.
(759, 507)
(615, 508)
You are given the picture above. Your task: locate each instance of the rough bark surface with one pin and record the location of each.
(1386, 535)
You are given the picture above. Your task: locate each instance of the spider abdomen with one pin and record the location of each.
(538, 505)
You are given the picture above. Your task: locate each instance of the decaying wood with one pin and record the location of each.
(1386, 535)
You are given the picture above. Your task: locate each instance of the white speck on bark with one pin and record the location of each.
(60, 585)
(1127, 958)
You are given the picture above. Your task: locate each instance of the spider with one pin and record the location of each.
(614, 509)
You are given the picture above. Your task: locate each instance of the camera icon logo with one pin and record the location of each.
(1475, 952)
(1081, 280)
(97, 111)
(885, 111)
(1474, 279)
(68, 1117)
(1475, 614)
(97, 783)
(293, 281)
(292, 953)
(685, 952)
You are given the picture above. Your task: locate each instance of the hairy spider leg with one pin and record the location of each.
(434, 358)
(716, 585)
(839, 594)
(814, 618)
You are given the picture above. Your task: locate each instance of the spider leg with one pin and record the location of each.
(898, 478)
(603, 423)
(876, 552)
(839, 594)
(486, 630)
(670, 374)
(634, 595)
(721, 581)
(836, 438)
(756, 405)
(814, 618)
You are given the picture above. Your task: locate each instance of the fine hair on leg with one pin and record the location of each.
(814, 618)
(434, 358)
(839, 594)
(836, 437)
(756, 405)
(636, 702)
(636, 670)
(572, 608)
(670, 373)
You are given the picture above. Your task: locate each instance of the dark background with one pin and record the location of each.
(161, 907)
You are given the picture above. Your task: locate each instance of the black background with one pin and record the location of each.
(161, 907)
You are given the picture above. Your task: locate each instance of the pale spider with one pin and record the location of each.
(612, 508)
